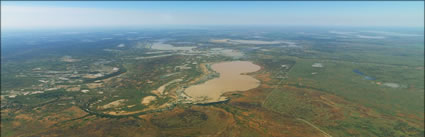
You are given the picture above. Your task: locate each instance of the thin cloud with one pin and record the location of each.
(62, 17)
(28, 16)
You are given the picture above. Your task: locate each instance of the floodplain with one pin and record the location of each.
(220, 82)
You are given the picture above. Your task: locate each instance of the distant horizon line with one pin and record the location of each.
(190, 26)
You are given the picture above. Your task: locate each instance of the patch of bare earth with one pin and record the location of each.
(94, 85)
(114, 104)
(148, 99)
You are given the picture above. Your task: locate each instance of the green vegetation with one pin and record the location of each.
(310, 84)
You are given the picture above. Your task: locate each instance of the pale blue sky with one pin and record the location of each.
(141, 13)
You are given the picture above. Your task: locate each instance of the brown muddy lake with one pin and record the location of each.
(230, 79)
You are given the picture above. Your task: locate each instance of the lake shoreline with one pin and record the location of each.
(232, 78)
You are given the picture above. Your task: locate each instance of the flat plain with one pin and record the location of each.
(214, 82)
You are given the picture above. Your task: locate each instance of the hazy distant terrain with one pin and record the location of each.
(213, 81)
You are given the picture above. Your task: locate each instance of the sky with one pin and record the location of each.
(75, 14)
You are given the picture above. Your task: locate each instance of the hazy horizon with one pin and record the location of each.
(63, 15)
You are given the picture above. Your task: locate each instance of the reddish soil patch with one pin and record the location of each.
(264, 77)
(265, 122)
